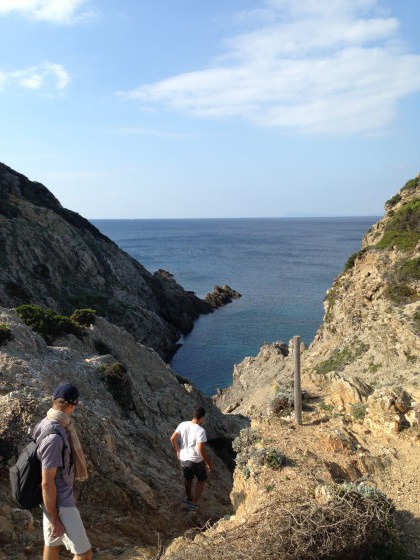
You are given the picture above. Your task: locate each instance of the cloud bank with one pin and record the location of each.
(43, 76)
(317, 66)
(53, 11)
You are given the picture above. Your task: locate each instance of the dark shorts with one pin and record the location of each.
(191, 470)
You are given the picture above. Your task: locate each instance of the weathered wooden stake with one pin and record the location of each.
(298, 388)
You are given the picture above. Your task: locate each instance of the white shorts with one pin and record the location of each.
(75, 538)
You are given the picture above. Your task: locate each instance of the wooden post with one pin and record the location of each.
(298, 388)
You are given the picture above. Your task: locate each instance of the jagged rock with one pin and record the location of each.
(55, 258)
(221, 295)
(255, 380)
(344, 392)
(130, 459)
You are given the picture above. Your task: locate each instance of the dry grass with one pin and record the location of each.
(350, 526)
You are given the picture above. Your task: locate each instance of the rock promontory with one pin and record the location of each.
(53, 257)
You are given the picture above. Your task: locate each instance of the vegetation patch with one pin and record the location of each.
(47, 323)
(330, 300)
(5, 334)
(411, 186)
(403, 229)
(416, 321)
(85, 317)
(282, 403)
(352, 259)
(400, 294)
(118, 384)
(339, 359)
(393, 201)
(358, 411)
(355, 523)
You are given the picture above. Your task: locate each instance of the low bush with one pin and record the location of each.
(403, 229)
(5, 334)
(282, 403)
(47, 323)
(352, 259)
(118, 384)
(400, 294)
(358, 411)
(393, 201)
(85, 317)
(355, 523)
(339, 359)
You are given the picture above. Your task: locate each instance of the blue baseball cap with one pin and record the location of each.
(67, 392)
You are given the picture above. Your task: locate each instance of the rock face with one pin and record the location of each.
(135, 484)
(221, 295)
(372, 311)
(53, 257)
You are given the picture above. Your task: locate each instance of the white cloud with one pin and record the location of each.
(43, 76)
(320, 66)
(54, 11)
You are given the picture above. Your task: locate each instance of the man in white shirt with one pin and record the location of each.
(188, 441)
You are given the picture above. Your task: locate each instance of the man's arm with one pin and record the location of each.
(49, 497)
(175, 444)
(203, 453)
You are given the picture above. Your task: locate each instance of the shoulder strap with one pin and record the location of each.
(50, 432)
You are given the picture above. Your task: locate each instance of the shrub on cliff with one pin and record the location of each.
(85, 317)
(47, 323)
(355, 522)
(5, 334)
(118, 384)
(403, 229)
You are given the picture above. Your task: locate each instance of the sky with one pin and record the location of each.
(212, 109)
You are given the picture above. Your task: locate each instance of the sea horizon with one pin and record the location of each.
(281, 266)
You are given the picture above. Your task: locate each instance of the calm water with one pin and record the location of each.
(282, 267)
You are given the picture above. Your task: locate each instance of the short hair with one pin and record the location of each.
(199, 413)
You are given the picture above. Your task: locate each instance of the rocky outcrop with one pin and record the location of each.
(221, 295)
(53, 257)
(372, 311)
(135, 485)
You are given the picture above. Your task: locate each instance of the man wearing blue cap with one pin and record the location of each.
(62, 461)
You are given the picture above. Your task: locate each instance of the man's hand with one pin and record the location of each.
(57, 528)
(209, 467)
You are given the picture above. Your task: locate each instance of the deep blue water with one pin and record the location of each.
(282, 267)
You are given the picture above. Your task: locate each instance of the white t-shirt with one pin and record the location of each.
(191, 434)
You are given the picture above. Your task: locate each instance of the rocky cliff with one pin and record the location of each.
(53, 257)
(131, 402)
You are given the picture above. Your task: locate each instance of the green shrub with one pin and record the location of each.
(47, 323)
(400, 293)
(403, 229)
(409, 270)
(118, 384)
(411, 185)
(5, 334)
(282, 403)
(416, 321)
(339, 359)
(352, 259)
(358, 411)
(270, 457)
(85, 317)
(326, 407)
(393, 201)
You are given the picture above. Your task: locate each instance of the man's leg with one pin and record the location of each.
(51, 552)
(198, 490)
(188, 489)
(85, 556)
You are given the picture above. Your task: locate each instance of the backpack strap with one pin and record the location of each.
(50, 432)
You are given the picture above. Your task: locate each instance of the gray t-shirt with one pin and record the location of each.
(50, 453)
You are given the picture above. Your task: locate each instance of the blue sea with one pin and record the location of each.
(282, 267)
